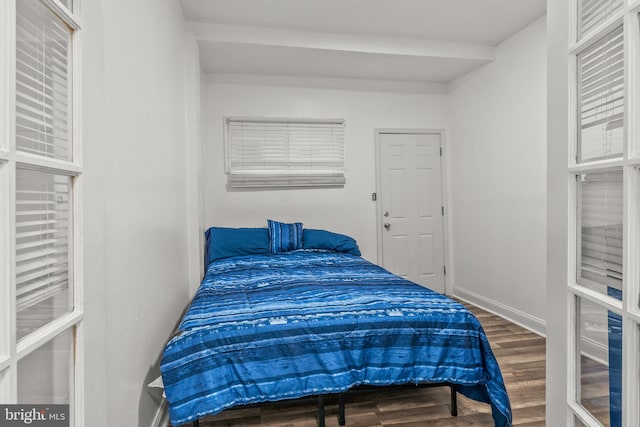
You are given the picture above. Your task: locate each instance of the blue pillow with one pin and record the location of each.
(321, 239)
(284, 237)
(227, 242)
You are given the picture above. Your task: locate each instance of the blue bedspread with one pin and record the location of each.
(272, 327)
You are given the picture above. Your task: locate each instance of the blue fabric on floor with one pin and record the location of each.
(615, 362)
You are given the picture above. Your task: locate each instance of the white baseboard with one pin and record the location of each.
(162, 415)
(595, 350)
(520, 318)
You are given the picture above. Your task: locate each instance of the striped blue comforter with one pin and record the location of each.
(272, 327)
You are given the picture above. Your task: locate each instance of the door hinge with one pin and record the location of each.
(442, 210)
(440, 151)
(444, 267)
(374, 197)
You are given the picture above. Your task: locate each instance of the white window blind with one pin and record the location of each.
(600, 197)
(284, 152)
(43, 69)
(43, 219)
(601, 98)
(594, 12)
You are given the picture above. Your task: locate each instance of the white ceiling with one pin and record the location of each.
(419, 41)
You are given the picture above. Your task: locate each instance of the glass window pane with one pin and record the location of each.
(591, 13)
(600, 231)
(3, 377)
(601, 98)
(43, 72)
(635, 220)
(68, 4)
(43, 220)
(600, 355)
(44, 376)
(578, 423)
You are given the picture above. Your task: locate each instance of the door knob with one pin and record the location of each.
(386, 213)
(387, 226)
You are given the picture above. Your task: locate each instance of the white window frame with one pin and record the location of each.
(266, 180)
(12, 350)
(629, 162)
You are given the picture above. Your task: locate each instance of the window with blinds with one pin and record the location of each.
(43, 220)
(284, 152)
(594, 12)
(43, 92)
(600, 230)
(601, 98)
(41, 350)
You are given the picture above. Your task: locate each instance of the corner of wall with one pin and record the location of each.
(519, 317)
(497, 208)
(194, 166)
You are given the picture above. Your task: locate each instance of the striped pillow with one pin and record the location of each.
(284, 237)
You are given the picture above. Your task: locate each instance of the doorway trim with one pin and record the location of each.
(444, 171)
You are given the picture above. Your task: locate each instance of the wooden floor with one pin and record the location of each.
(520, 353)
(594, 383)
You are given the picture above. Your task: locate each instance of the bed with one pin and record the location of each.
(269, 326)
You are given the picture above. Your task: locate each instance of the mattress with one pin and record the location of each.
(282, 326)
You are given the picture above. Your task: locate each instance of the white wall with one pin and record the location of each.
(558, 14)
(346, 210)
(95, 145)
(193, 156)
(498, 180)
(136, 245)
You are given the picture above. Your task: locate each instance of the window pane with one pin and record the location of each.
(4, 378)
(43, 219)
(68, 4)
(43, 72)
(594, 12)
(44, 376)
(578, 423)
(597, 376)
(600, 231)
(634, 220)
(601, 98)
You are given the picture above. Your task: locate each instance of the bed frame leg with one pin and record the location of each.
(454, 400)
(321, 411)
(196, 423)
(341, 417)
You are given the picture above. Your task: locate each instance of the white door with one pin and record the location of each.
(410, 197)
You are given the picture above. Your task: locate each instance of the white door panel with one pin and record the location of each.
(411, 199)
(400, 254)
(425, 197)
(426, 249)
